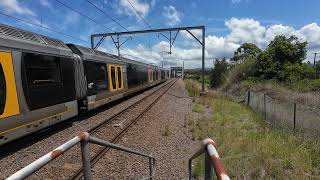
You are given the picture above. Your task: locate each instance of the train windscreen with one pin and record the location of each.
(2, 90)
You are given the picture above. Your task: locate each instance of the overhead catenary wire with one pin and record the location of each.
(106, 14)
(41, 26)
(141, 17)
(109, 16)
(82, 14)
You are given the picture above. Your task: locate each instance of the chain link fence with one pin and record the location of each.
(284, 115)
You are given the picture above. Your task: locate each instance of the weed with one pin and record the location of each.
(192, 87)
(166, 131)
(198, 108)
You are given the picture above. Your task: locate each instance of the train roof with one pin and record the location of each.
(15, 38)
(93, 54)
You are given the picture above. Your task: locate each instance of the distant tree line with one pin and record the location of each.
(282, 61)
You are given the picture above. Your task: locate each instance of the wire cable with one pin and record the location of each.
(106, 14)
(141, 17)
(38, 25)
(82, 14)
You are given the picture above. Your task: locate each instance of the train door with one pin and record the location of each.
(150, 74)
(115, 77)
(159, 74)
(9, 105)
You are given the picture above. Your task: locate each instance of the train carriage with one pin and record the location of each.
(37, 83)
(44, 81)
(109, 77)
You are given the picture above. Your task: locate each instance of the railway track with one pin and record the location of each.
(102, 151)
(15, 160)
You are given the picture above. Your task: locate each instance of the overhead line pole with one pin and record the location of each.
(315, 59)
(202, 42)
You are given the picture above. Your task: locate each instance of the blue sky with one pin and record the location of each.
(229, 23)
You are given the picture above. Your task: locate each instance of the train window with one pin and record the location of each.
(2, 90)
(120, 80)
(42, 69)
(97, 76)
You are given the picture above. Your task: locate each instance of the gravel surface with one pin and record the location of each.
(161, 132)
(13, 161)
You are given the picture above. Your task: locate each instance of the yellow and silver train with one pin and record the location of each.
(44, 81)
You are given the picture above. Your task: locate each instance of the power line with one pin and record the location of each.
(38, 25)
(106, 14)
(82, 14)
(144, 20)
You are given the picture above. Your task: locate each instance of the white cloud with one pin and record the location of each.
(278, 29)
(141, 7)
(238, 1)
(245, 30)
(241, 30)
(250, 30)
(311, 34)
(173, 16)
(45, 3)
(13, 6)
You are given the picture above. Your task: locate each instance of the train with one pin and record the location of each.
(44, 81)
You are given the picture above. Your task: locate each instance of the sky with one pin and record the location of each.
(229, 23)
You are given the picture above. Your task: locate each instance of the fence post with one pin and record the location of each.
(248, 98)
(294, 116)
(150, 168)
(208, 175)
(265, 107)
(86, 159)
(190, 169)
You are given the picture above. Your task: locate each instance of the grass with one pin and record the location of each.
(198, 108)
(192, 87)
(166, 131)
(250, 149)
(301, 86)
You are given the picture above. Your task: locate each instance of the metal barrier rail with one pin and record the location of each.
(212, 161)
(84, 138)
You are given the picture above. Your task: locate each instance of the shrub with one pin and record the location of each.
(295, 72)
(242, 71)
(217, 75)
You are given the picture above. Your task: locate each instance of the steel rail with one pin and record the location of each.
(78, 175)
(105, 122)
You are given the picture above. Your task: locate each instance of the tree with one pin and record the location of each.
(284, 50)
(245, 51)
(217, 75)
(280, 51)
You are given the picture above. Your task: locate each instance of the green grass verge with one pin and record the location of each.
(250, 149)
(192, 87)
(305, 85)
(198, 108)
